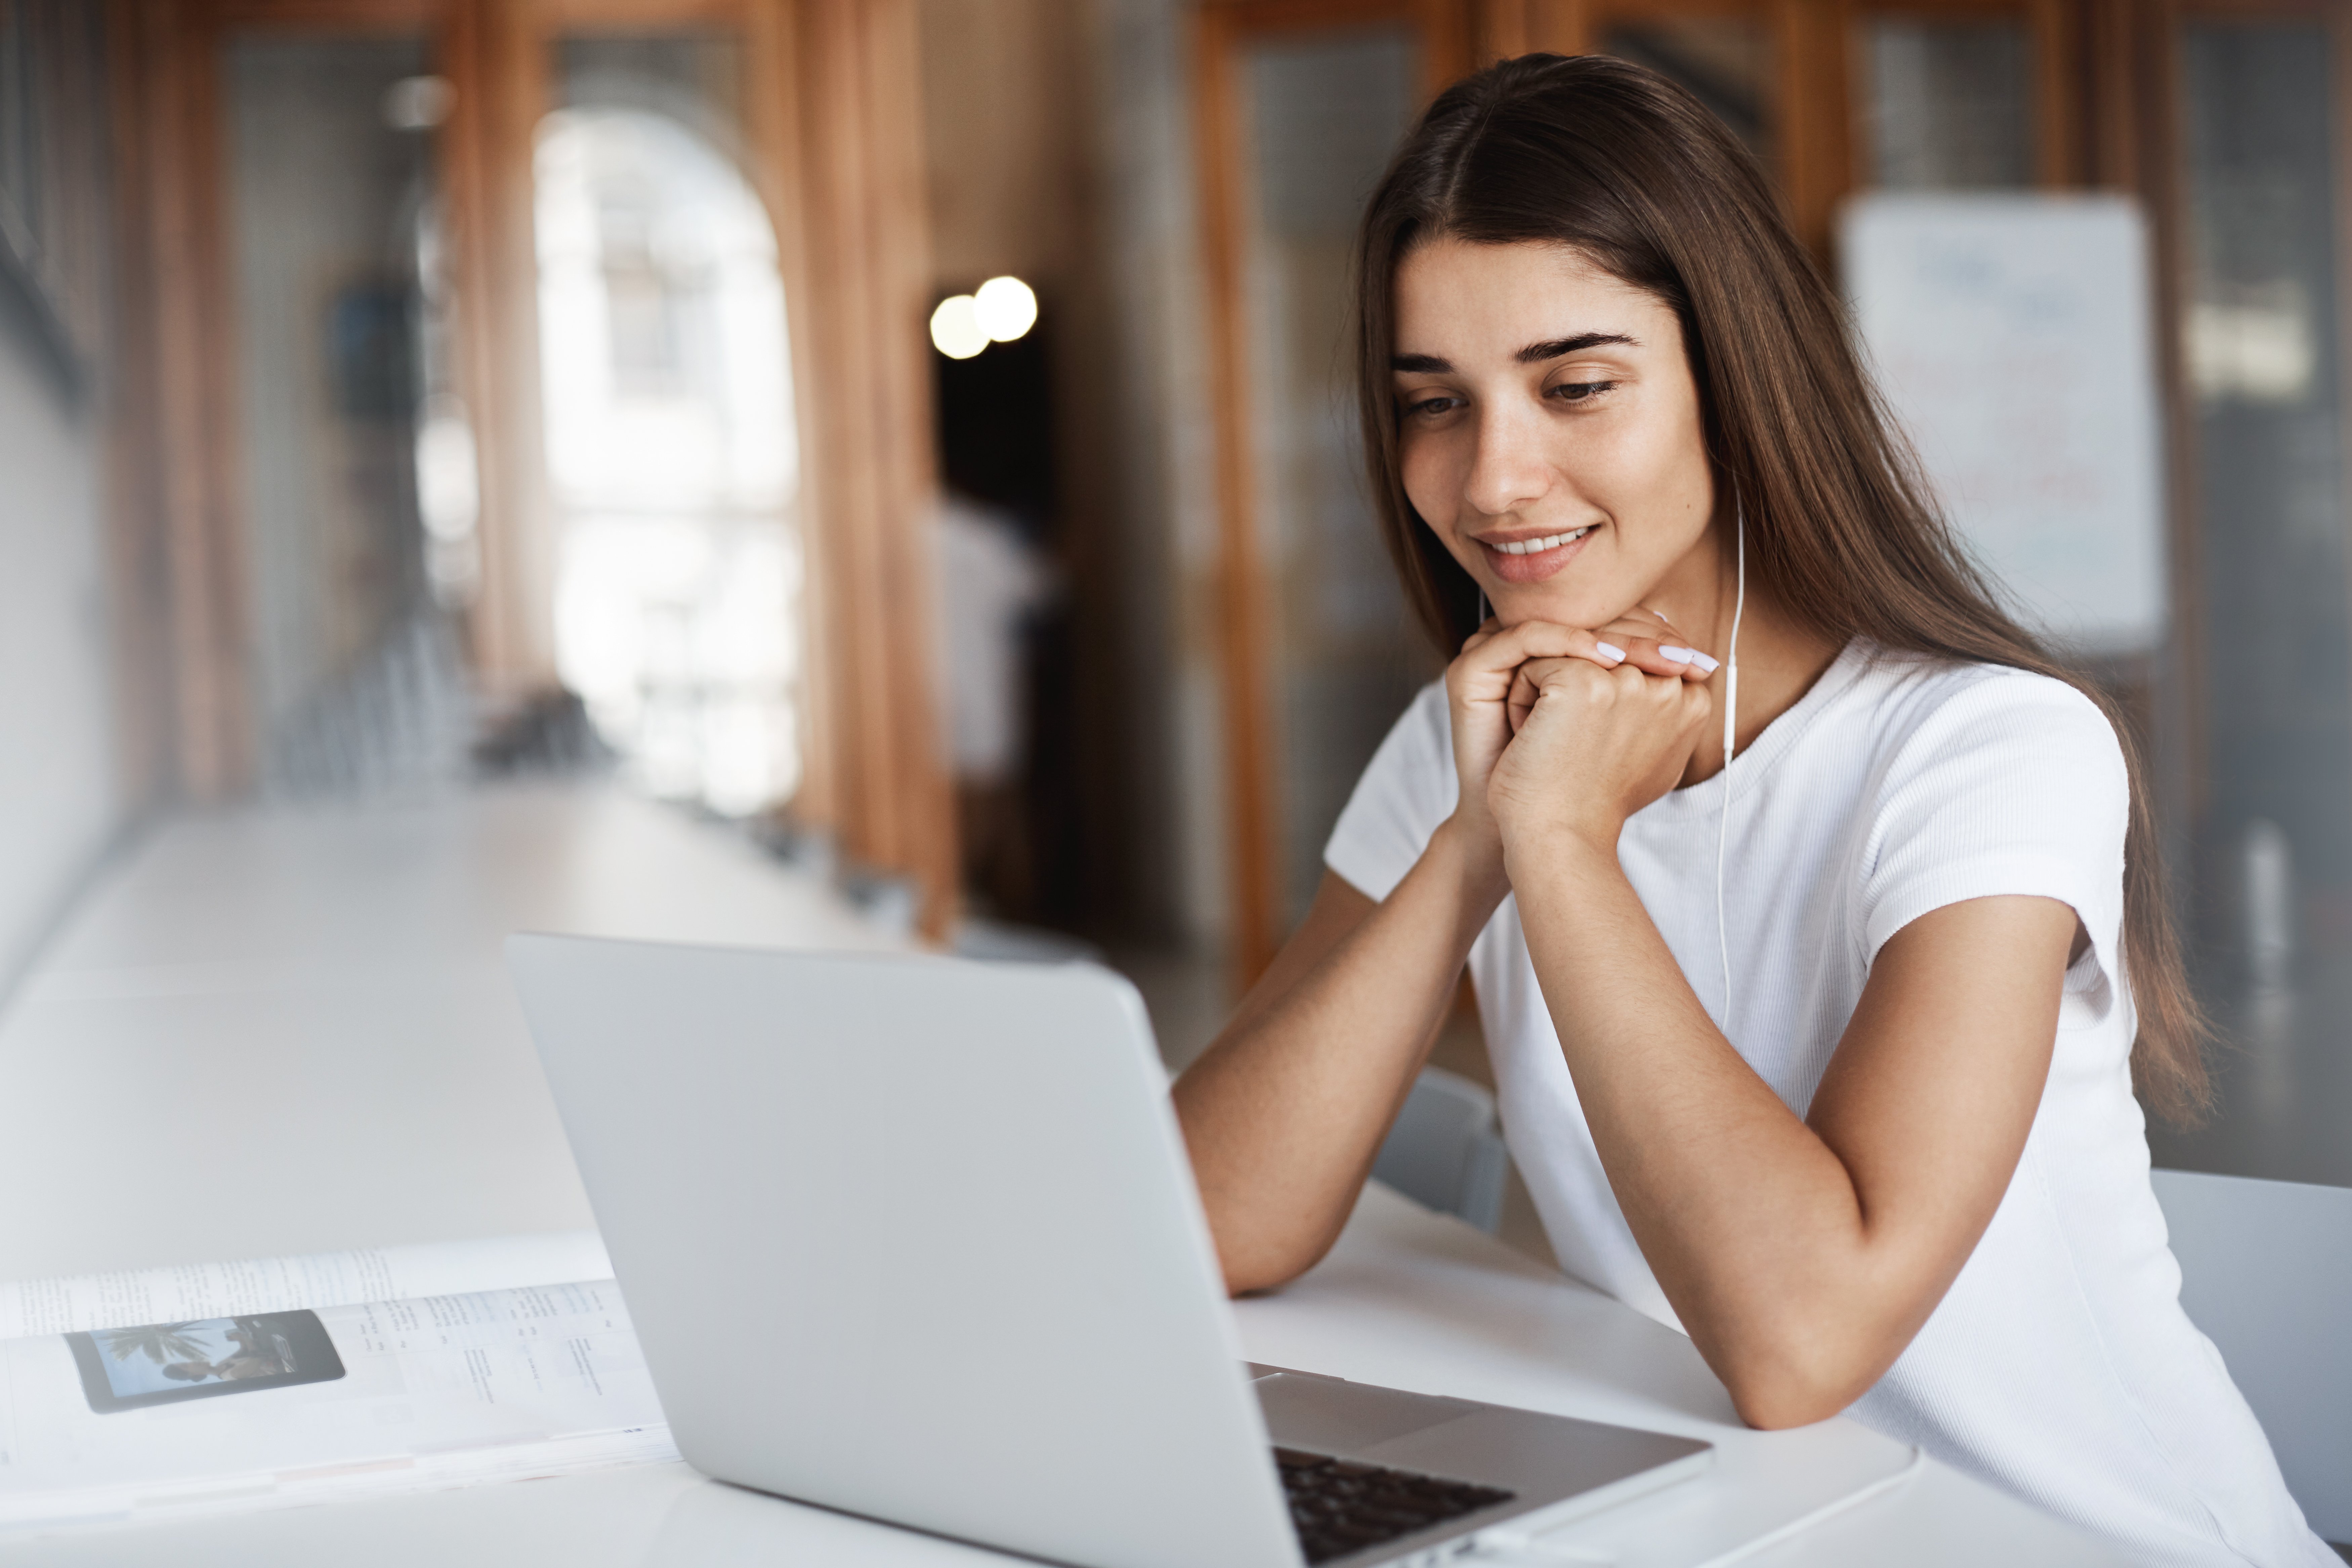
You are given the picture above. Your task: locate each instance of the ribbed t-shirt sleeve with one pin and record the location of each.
(1406, 791)
(2014, 785)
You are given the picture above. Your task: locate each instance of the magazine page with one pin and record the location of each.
(267, 1408)
(198, 1290)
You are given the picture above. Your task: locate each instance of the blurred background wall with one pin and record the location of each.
(61, 795)
(75, 734)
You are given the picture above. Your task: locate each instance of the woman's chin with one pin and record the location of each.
(1517, 602)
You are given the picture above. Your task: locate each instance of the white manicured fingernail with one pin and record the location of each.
(1611, 651)
(1676, 655)
(1704, 662)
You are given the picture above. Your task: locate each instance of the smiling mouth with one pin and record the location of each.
(1537, 546)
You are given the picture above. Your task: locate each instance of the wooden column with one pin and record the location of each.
(494, 54)
(861, 264)
(772, 123)
(138, 567)
(1243, 614)
(190, 357)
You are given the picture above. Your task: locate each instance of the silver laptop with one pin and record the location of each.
(915, 1238)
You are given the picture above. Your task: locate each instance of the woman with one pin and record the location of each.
(1826, 1058)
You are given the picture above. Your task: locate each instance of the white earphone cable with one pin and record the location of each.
(1730, 725)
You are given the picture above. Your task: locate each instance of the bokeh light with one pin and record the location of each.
(1006, 308)
(956, 331)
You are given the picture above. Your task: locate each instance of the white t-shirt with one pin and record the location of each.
(2060, 1365)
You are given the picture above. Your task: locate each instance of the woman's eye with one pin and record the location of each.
(1430, 407)
(1581, 391)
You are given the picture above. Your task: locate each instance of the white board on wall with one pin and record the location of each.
(2012, 334)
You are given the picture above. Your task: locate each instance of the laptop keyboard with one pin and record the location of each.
(1339, 1506)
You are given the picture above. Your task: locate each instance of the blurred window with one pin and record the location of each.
(670, 446)
(2270, 828)
(1949, 103)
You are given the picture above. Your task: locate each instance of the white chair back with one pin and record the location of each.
(1445, 1152)
(2266, 1272)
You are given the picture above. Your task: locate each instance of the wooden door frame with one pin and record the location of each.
(1243, 593)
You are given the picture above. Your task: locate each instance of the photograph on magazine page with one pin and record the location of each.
(160, 1364)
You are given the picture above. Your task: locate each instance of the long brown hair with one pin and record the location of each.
(1633, 173)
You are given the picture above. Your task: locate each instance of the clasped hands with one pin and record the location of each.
(1562, 733)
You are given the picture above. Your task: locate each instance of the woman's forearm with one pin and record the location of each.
(1750, 1222)
(1802, 1255)
(1284, 1114)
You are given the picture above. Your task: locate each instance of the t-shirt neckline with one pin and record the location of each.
(1779, 737)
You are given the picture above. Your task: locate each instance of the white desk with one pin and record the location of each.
(308, 1008)
(305, 1013)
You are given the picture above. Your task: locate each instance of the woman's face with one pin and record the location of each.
(1550, 433)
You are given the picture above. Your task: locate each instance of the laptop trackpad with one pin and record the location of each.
(1332, 1417)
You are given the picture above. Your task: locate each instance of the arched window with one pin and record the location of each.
(668, 399)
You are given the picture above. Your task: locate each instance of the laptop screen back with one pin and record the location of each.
(913, 1238)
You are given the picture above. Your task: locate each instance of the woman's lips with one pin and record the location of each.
(1538, 564)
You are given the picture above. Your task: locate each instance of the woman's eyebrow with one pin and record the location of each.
(1536, 353)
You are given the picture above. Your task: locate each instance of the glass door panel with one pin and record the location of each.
(1324, 112)
(2270, 920)
(1946, 103)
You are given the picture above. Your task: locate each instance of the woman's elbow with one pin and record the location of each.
(1243, 1289)
(1254, 1270)
(1777, 1405)
(1775, 1390)
(1257, 1251)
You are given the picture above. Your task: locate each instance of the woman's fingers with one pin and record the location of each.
(1498, 654)
(1654, 645)
(1672, 645)
(1493, 655)
(1488, 669)
(1681, 698)
(1651, 656)
(1527, 685)
(1676, 659)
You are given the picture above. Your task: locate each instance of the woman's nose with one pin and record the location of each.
(1509, 469)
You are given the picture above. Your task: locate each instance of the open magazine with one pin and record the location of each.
(219, 1388)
